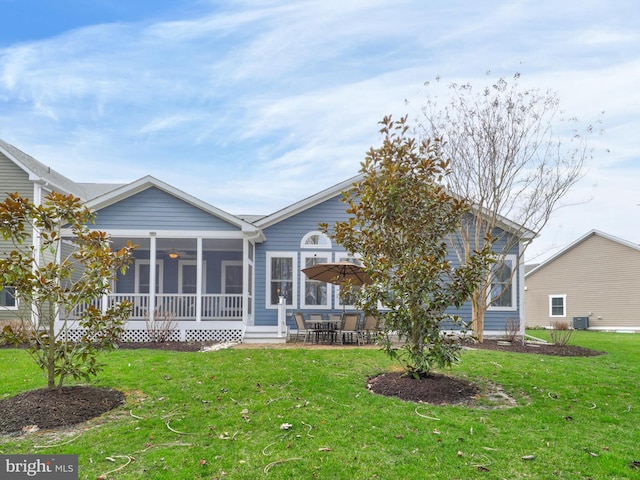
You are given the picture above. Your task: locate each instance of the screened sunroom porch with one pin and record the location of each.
(203, 286)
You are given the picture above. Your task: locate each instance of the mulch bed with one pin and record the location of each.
(434, 389)
(44, 409)
(537, 348)
(442, 389)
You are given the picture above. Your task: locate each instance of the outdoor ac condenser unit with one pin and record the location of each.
(580, 323)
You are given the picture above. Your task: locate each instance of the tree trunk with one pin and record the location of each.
(477, 314)
(51, 356)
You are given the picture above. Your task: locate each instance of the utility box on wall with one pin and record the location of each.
(580, 323)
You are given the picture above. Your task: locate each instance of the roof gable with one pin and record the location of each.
(309, 202)
(579, 242)
(127, 191)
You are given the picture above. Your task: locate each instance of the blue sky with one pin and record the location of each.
(253, 105)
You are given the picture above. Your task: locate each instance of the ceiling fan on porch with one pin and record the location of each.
(175, 254)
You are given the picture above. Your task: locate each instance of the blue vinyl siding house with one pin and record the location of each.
(217, 276)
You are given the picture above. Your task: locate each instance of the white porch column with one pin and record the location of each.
(246, 282)
(198, 279)
(282, 317)
(152, 275)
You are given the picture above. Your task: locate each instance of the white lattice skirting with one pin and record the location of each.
(221, 335)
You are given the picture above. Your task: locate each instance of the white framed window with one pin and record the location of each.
(282, 279)
(557, 305)
(315, 294)
(188, 276)
(8, 299)
(502, 292)
(315, 239)
(338, 298)
(143, 275)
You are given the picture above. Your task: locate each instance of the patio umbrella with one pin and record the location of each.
(337, 273)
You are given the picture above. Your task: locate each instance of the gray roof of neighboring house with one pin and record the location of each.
(86, 191)
(42, 172)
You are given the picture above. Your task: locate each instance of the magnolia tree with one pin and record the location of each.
(401, 215)
(58, 266)
(506, 159)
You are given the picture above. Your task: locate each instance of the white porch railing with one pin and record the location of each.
(181, 307)
(221, 306)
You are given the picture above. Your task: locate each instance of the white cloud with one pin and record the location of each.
(263, 103)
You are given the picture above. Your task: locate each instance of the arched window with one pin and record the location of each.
(315, 239)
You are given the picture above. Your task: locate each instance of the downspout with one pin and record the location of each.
(36, 241)
(245, 284)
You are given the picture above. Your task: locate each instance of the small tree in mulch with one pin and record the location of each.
(401, 219)
(63, 270)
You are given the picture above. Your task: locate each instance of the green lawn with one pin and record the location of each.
(223, 414)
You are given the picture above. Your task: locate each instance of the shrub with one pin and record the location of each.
(561, 333)
(161, 327)
(512, 329)
(15, 331)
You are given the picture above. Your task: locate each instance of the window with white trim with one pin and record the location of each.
(315, 294)
(315, 239)
(502, 293)
(557, 305)
(348, 298)
(8, 298)
(143, 276)
(281, 278)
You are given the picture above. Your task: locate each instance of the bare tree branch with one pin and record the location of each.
(506, 157)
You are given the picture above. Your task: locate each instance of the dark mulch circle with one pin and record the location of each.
(442, 389)
(434, 389)
(44, 409)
